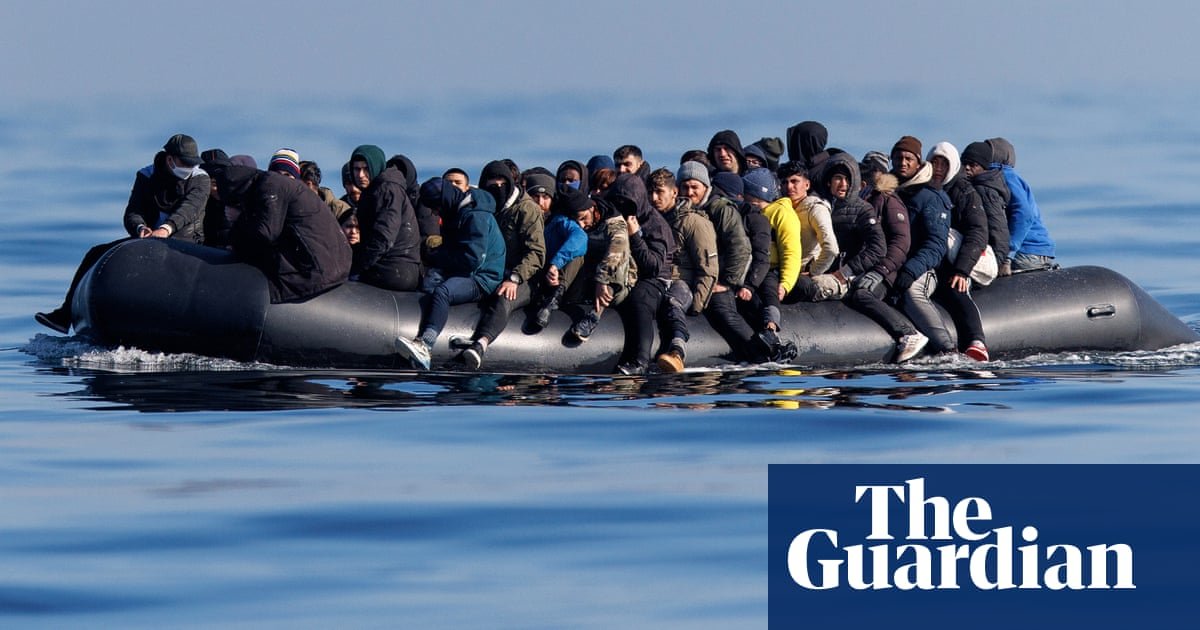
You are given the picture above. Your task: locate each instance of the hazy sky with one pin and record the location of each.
(220, 49)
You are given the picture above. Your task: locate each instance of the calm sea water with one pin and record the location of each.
(138, 489)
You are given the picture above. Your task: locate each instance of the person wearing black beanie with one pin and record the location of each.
(572, 214)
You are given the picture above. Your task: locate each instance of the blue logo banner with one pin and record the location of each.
(983, 546)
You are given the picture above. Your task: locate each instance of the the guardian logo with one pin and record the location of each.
(948, 546)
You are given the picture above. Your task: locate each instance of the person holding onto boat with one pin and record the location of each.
(774, 234)
(168, 200)
(389, 256)
(467, 265)
(868, 290)
(860, 237)
(614, 272)
(694, 262)
(520, 220)
(929, 224)
(993, 193)
(969, 219)
(566, 238)
(1030, 245)
(818, 243)
(284, 230)
(651, 245)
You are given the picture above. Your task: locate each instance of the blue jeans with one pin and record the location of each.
(439, 297)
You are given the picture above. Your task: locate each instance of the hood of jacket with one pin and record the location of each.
(409, 170)
(886, 183)
(628, 193)
(805, 140)
(730, 139)
(1003, 152)
(924, 175)
(584, 182)
(851, 165)
(373, 156)
(502, 194)
(948, 151)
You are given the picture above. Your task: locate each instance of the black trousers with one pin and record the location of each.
(497, 310)
(870, 303)
(722, 313)
(404, 277)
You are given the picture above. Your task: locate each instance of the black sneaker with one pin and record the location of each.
(473, 356)
(542, 318)
(584, 328)
(631, 368)
(57, 320)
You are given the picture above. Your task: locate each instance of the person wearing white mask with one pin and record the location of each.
(167, 201)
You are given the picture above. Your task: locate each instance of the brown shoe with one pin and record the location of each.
(670, 361)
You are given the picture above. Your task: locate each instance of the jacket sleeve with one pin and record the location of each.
(616, 253)
(758, 235)
(134, 218)
(734, 244)
(650, 248)
(533, 242)
(997, 221)
(391, 202)
(874, 245)
(189, 209)
(972, 223)
(257, 230)
(701, 243)
(894, 217)
(823, 225)
(789, 247)
(574, 243)
(934, 216)
(1021, 211)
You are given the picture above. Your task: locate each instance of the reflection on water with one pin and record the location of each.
(923, 391)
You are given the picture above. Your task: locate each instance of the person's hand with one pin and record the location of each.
(144, 231)
(507, 290)
(744, 294)
(604, 296)
(552, 276)
(719, 288)
(162, 232)
(632, 225)
(960, 283)
(782, 293)
(1005, 269)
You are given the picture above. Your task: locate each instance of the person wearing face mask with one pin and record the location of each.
(521, 224)
(572, 174)
(167, 201)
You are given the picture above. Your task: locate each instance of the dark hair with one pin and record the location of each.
(695, 155)
(787, 169)
(661, 177)
(602, 179)
(310, 172)
(455, 169)
(625, 151)
(347, 174)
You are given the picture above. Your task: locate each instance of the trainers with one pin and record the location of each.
(910, 346)
(57, 320)
(473, 356)
(459, 342)
(670, 361)
(583, 328)
(784, 352)
(977, 350)
(415, 351)
(542, 318)
(631, 369)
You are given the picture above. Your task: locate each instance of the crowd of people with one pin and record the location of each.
(731, 234)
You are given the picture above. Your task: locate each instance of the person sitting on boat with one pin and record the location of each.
(773, 230)
(167, 201)
(694, 262)
(993, 192)
(651, 245)
(1030, 245)
(389, 256)
(353, 192)
(726, 154)
(929, 224)
(867, 290)
(284, 230)
(733, 252)
(806, 143)
(608, 263)
(520, 220)
(467, 265)
(602, 172)
(566, 237)
(458, 178)
(860, 237)
(540, 188)
(968, 217)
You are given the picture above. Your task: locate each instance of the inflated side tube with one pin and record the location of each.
(167, 295)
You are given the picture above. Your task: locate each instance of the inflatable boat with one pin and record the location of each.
(167, 295)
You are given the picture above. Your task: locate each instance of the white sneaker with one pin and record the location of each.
(415, 351)
(910, 346)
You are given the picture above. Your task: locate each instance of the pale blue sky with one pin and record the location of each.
(63, 50)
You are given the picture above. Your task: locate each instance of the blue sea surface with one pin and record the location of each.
(146, 490)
